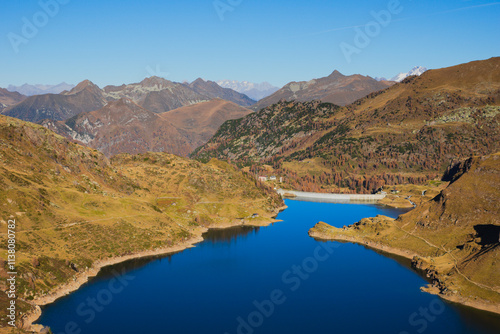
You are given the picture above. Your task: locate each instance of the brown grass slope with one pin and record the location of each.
(8, 98)
(407, 133)
(201, 121)
(455, 237)
(74, 208)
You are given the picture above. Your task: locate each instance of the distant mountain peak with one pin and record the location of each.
(212, 89)
(255, 91)
(39, 89)
(199, 80)
(336, 74)
(84, 85)
(417, 70)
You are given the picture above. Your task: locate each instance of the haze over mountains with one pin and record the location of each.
(335, 88)
(30, 90)
(255, 91)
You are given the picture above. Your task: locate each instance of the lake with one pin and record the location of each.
(273, 279)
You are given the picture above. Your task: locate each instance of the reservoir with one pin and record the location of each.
(268, 280)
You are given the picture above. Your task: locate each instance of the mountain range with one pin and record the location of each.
(122, 126)
(30, 90)
(255, 91)
(335, 88)
(154, 94)
(407, 133)
(83, 98)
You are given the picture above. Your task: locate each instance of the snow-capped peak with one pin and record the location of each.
(417, 70)
(255, 91)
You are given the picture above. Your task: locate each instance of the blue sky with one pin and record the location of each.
(115, 42)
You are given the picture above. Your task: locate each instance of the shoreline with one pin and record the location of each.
(83, 277)
(29, 318)
(409, 255)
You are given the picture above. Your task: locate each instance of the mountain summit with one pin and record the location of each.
(335, 88)
(85, 97)
(212, 90)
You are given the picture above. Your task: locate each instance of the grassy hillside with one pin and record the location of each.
(408, 133)
(455, 237)
(73, 207)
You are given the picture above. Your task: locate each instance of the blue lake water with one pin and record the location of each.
(272, 279)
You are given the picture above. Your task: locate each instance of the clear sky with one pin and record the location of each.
(115, 42)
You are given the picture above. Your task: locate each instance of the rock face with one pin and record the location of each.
(156, 94)
(407, 133)
(335, 88)
(455, 237)
(213, 90)
(83, 98)
(8, 98)
(123, 127)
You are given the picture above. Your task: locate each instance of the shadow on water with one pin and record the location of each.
(229, 235)
(213, 236)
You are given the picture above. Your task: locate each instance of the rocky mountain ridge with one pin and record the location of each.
(335, 88)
